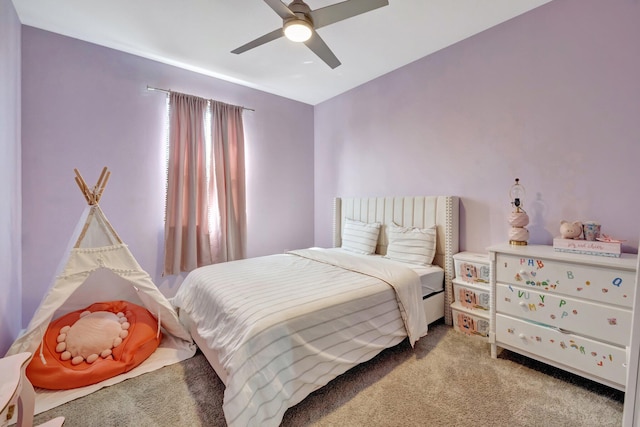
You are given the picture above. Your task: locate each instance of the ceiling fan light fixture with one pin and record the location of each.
(297, 30)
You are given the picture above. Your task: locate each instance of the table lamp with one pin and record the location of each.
(518, 219)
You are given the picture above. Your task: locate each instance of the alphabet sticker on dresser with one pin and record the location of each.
(538, 263)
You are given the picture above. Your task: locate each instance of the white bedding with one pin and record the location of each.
(431, 276)
(281, 336)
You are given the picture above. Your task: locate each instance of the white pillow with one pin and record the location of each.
(411, 244)
(360, 237)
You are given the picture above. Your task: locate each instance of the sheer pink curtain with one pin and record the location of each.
(187, 243)
(190, 239)
(227, 188)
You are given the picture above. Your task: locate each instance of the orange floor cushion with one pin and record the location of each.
(93, 344)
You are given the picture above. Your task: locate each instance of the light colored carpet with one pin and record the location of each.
(448, 379)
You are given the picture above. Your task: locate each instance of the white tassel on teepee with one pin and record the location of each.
(159, 323)
(44, 361)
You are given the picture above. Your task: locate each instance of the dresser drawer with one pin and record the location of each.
(592, 357)
(606, 285)
(608, 323)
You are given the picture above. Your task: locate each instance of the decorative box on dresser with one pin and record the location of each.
(471, 294)
(571, 311)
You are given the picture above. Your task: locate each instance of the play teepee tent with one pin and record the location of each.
(98, 266)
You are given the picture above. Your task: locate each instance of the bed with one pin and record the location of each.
(276, 328)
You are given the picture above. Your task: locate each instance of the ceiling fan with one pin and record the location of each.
(300, 24)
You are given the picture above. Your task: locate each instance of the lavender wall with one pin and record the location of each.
(551, 97)
(10, 208)
(86, 106)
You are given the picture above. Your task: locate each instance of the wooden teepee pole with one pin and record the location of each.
(103, 184)
(81, 185)
(93, 195)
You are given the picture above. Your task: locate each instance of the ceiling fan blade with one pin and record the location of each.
(259, 41)
(320, 48)
(340, 11)
(280, 8)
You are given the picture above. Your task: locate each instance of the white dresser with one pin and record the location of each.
(568, 310)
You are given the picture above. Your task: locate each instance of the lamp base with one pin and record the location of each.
(517, 243)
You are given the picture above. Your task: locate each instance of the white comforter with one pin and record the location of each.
(285, 325)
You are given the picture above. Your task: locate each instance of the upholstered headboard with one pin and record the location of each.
(422, 212)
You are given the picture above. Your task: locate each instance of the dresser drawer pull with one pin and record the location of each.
(522, 336)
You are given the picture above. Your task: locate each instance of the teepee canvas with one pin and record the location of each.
(98, 266)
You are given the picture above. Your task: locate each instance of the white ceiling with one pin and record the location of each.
(199, 35)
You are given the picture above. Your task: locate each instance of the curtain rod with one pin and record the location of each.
(167, 91)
